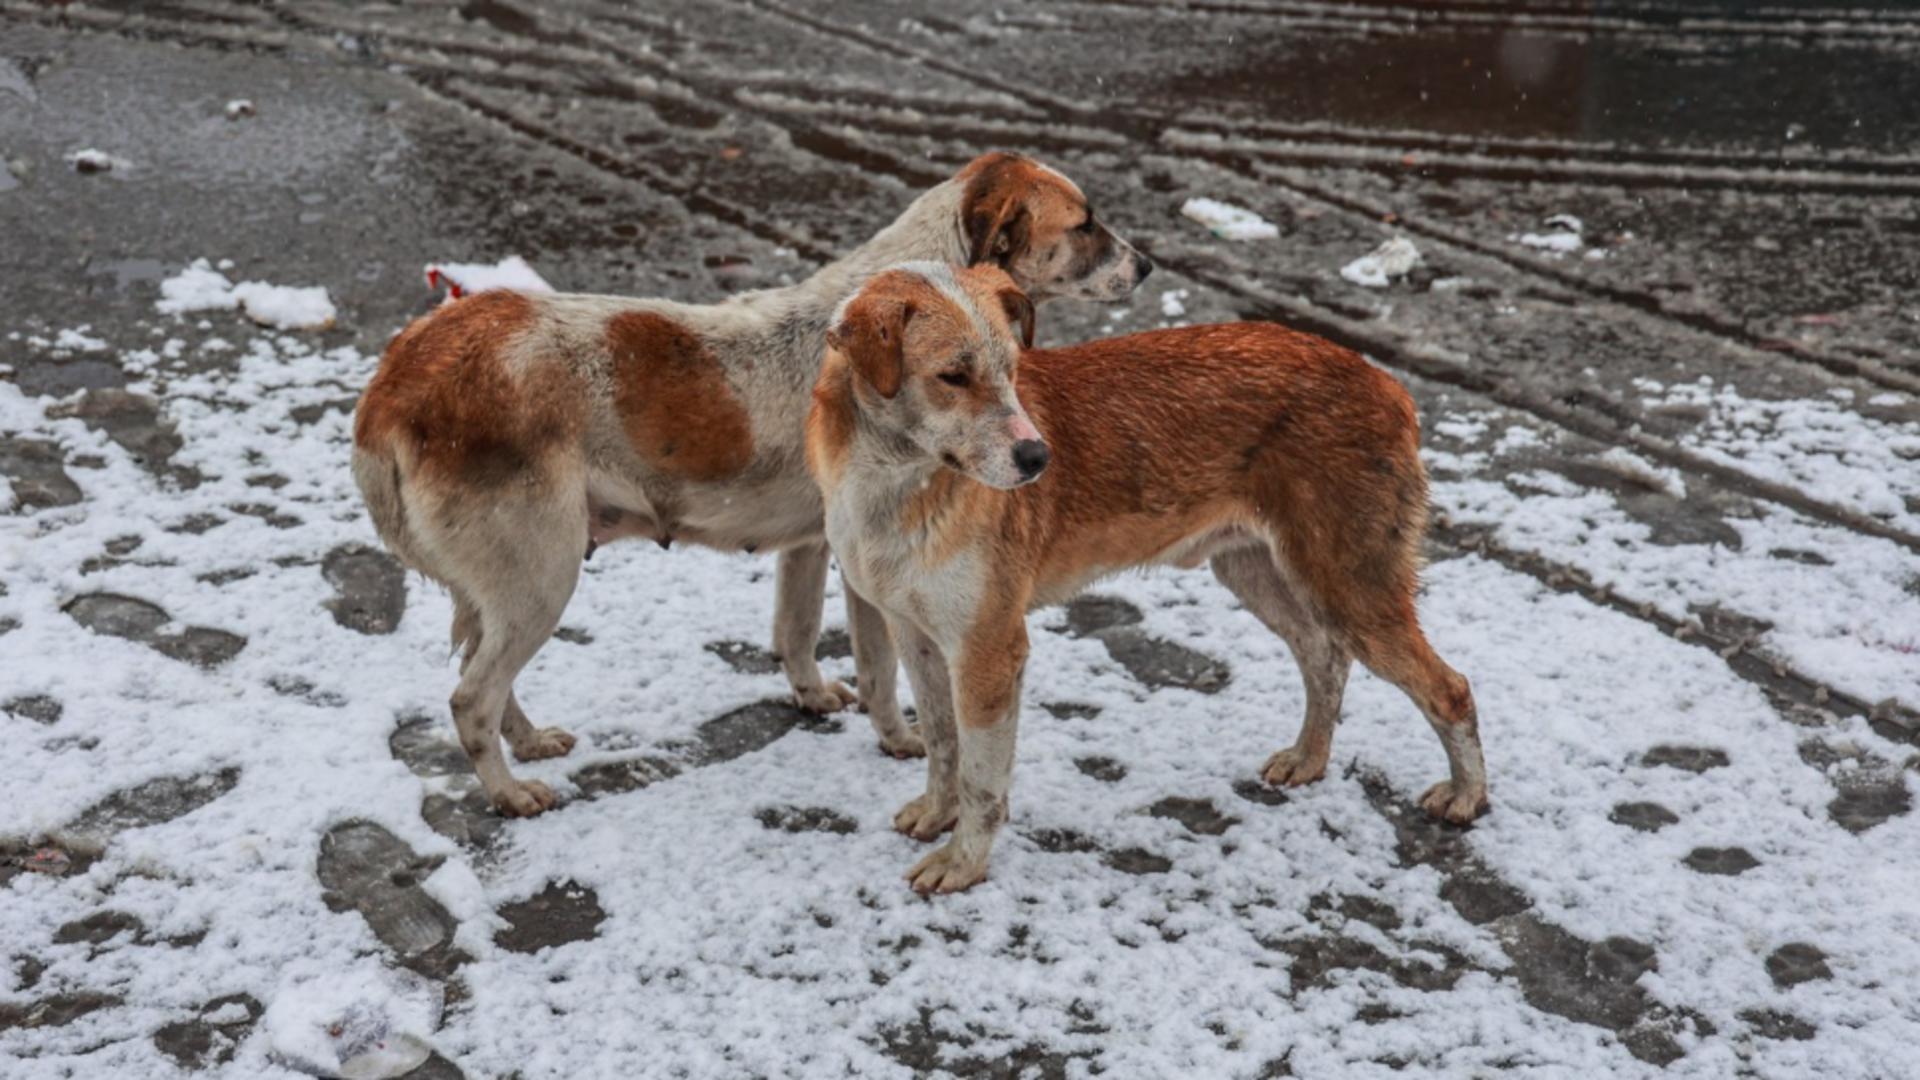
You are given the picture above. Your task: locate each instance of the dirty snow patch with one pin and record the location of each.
(1172, 303)
(1395, 258)
(1229, 222)
(283, 307)
(1626, 464)
(94, 161)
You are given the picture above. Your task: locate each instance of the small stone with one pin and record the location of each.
(1725, 862)
(1071, 710)
(1797, 962)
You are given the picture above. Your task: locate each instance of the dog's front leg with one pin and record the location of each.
(936, 809)
(986, 680)
(876, 665)
(801, 586)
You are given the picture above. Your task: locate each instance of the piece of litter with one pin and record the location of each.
(511, 272)
(284, 307)
(91, 161)
(1395, 258)
(239, 109)
(1559, 243)
(362, 1025)
(1229, 222)
(48, 860)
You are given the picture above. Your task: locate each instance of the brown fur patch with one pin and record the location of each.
(443, 385)
(1012, 205)
(830, 424)
(674, 401)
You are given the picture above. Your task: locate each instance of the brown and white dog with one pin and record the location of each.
(1289, 463)
(507, 433)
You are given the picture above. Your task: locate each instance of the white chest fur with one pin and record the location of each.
(891, 566)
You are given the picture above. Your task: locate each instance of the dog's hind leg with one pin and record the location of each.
(874, 658)
(512, 573)
(528, 742)
(800, 583)
(1395, 649)
(1252, 575)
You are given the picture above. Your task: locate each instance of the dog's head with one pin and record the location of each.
(933, 352)
(1037, 225)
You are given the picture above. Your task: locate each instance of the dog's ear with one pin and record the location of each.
(994, 211)
(872, 337)
(1019, 313)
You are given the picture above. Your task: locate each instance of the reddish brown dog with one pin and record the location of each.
(966, 483)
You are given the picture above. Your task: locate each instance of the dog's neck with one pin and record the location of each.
(930, 229)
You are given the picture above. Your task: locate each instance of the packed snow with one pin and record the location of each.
(1377, 268)
(511, 272)
(1229, 222)
(200, 287)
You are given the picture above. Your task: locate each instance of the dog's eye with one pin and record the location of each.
(955, 378)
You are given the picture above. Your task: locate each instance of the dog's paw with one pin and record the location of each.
(947, 870)
(903, 744)
(832, 697)
(1293, 767)
(524, 798)
(1460, 808)
(544, 743)
(926, 817)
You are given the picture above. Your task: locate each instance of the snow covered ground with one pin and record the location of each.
(1660, 882)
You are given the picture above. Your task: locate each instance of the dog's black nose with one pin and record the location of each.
(1030, 456)
(1142, 266)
